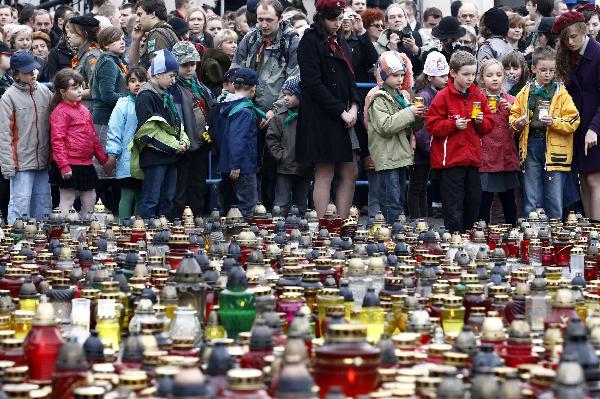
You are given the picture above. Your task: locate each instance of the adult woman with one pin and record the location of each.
(40, 45)
(516, 31)
(592, 19)
(577, 63)
(196, 19)
(214, 25)
(81, 35)
(19, 36)
(216, 61)
(60, 56)
(329, 108)
(373, 22)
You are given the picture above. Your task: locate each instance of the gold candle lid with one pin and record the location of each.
(19, 390)
(133, 379)
(12, 343)
(453, 301)
(438, 350)
(346, 333)
(244, 379)
(16, 374)
(182, 343)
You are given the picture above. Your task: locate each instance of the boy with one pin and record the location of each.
(227, 84)
(238, 140)
(456, 125)
(293, 178)
(546, 135)
(25, 140)
(160, 138)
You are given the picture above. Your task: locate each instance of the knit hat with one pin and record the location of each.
(179, 26)
(103, 22)
(163, 62)
(330, 5)
(567, 19)
(185, 52)
(390, 63)
(448, 28)
(292, 84)
(496, 20)
(436, 64)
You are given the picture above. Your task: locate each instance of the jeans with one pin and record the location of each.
(417, 191)
(245, 188)
(460, 187)
(373, 202)
(158, 190)
(29, 195)
(292, 190)
(392, 192)
(541, 189)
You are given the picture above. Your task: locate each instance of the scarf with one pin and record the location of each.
(123, 67)
(75, 59)
(261, 51)
(333, 46)
(400, 100)
(574, 58)
(131, 96)
(197, 91)
(170, 105)
(540, 92)
(290, 118)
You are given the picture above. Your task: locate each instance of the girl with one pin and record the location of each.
(81, 35)
(214, 25)
(121, 127)
(591, 13)
(108, 85)
(516, 72)
(433, 79)
(74, 143)
(390, 131)
(499, 171)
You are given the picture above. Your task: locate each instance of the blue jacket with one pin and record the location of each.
(121, 127)
(237, 136)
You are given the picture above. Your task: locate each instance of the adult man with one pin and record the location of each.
(468, 14)
(60, 15)
(43, 23)
(359, 5)
(270, 49)
(395, 37)
(152, 21)
(431, 17)
(127, 10)
(410, 8)
(181, 7)
(111, 12)
(5, 15)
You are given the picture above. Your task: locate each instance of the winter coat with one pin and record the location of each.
(559, 135)
(494, 47)
(390, 128)
(121, 127)
(24, 128)
(450, 146)
(193, 108)
(422, 135)
(382, 45)
(73, 137)
(364, 58)
(161, 36)
(498, 150)
(584, 88)
(59, 58)
(108, 85)
(279, 62)
(281, 143)
(328, 89)
(212, 69)
(238, 136)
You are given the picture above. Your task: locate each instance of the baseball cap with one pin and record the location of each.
(229, 75)
(23, 62)
(246, 76)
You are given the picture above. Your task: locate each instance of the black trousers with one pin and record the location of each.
(417, 191)
(461, 196)
(191, 182)
(509, 206)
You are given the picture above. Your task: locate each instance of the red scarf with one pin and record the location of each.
(574, 58)
(333, 46)
(75, 59)
(261, 50)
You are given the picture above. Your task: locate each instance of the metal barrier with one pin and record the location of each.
(213, 181)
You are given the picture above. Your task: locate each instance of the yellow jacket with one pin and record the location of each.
(559, 135)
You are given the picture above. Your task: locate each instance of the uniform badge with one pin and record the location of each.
(151, 45)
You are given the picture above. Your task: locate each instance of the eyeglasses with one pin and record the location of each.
(378, 26)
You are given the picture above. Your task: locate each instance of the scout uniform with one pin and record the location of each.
(161, 36)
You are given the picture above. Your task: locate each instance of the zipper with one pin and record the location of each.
(37, 130)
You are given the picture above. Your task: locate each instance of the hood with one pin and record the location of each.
(219, 56)
(151, 87)
(230, 102)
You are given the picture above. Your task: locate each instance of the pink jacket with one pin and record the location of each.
(498, 149)
(73, 137)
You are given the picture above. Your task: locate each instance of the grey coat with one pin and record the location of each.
(281, 143)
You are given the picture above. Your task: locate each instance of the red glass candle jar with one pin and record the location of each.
(548, 258)
(562, 249)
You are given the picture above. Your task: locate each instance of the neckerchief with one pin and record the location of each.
(334, 45)
(574, 58)
(75, 59)
(197, 91)
(540, 92)
(131, 96)
(290, 118)
(123, 67)
(401, 101)
(170, 105)
(261, 50)
(259, 114)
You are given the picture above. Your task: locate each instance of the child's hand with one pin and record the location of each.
(182, 147)
(521, 122)
(547, 120)
(368, 163)
(265, 122)
(413, 142)
(461, 124)
(67, 175)
(479, 118)
(109, 166)
(234, 174)
(418, 110)
(504, 104)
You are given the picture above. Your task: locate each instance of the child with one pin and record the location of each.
(517, 72)
(456, 127)
(160, 138)
(433, 79)
(293, 178)
(227, 84)
(391, 139)
(5, 79)
(546, 136)
(238, 140)
(499, 159)
(121, 127)
(74, 143)
(25, 140)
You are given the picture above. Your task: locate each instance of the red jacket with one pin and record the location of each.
(498, 149)
(73, 137)
(449, 146)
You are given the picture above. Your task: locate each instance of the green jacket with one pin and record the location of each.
(157, 134)
(390, 129)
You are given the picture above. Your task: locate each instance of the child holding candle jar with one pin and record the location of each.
(499, 158)
(457, 119)
(545, 117)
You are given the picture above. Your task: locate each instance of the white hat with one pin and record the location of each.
(104, 22)
(436, 64)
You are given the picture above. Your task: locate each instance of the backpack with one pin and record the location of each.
(284, 47)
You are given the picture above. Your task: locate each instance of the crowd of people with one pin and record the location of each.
(441, 114)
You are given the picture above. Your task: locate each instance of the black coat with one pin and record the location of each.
(328, 88)
(58, 58)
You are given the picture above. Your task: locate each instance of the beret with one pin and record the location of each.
(330, 5)
(567, 19)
